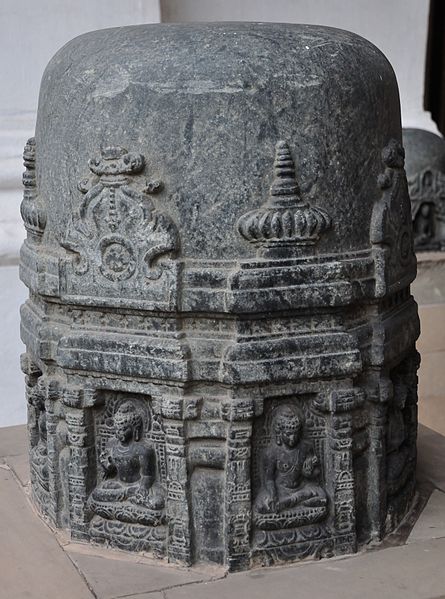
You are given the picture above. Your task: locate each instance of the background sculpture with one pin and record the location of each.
(425, 166)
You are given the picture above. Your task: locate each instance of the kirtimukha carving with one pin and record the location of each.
(220, 336)
(118, 238)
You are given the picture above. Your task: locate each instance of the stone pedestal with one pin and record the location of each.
(220, 335)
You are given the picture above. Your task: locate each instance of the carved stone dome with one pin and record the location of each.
(220, 335)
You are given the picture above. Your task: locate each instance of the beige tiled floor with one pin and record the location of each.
(36, 564)
(431, 345)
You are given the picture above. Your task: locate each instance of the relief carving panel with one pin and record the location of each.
(121, 243)
(130, 493)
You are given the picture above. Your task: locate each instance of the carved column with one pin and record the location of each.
(49, 390)
(238, 516)
(81, 467)
(179, 546)
(340, 479)
(377, 410)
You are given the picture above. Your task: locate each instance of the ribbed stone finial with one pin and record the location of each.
(286, 219)
(33, 213)
(285, 182)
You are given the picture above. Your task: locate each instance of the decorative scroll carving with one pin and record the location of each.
(117, 234)
(130, 491)
(286, 220)
(32, 211)
(285, 545)
(289, 494)
(427, 193)
(128, 536)
(391, 228)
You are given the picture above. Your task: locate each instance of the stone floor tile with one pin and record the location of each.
(161, 595)
(413, 571)
(20, 466)
(13, 440)
(431, 523)
(113, 577)
(431, 457)
(32, 564)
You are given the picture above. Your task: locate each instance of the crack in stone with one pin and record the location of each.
(163, 590)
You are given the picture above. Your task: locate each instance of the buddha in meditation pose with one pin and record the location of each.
(289, 469)
(129, 492)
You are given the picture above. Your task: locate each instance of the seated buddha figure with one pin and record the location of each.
(129, 491)
(289, 472)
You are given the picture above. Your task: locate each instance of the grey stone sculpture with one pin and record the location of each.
(220, 334)
(425, 169)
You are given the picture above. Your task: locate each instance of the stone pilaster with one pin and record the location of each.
(340, 479)
(53, 466)
(377, 469)
(81, 467)
(179, 546)
(238, 483)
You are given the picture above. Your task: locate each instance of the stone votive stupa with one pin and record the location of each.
(220, 335)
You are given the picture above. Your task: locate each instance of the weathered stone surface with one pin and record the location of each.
(425, 169)
(220, 334)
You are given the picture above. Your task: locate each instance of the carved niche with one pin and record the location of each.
(128, 503)
(122, 244)
(427, 193)
(289, 499)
